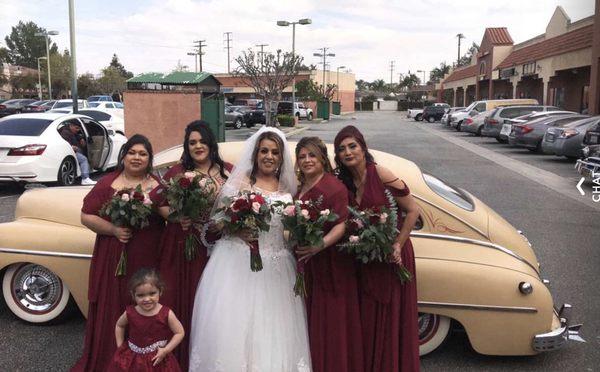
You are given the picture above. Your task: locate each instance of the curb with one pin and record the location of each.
(295, 131)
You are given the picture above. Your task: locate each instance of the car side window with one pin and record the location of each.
(511, 112)
(480, 107)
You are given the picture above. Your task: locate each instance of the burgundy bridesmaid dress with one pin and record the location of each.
(180, 276)
(388, 308)
(332, 302)
(145, 335)
(108, 295)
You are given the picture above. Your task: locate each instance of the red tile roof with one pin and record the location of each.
(569, 42)
(462, 73)
(498, 36)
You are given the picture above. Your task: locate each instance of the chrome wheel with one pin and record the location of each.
(433, 330)
(34, 293)
(67, 172)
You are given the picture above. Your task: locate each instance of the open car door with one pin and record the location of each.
(99, 144)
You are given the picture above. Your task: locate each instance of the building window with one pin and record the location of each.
(482, 68)
(559, 97)
(585, 98)
(529, 68)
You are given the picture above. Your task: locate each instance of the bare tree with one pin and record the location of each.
(269, 77)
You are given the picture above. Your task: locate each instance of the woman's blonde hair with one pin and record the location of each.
(317, 147)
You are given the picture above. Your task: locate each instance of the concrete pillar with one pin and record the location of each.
(454, 91)
(515, 83)
(465, 96)
(545, 91)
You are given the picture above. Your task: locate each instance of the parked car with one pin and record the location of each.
(445, 118)
(68, 103)
(251, 102)
(476, 107)
(106, 118)
(416, 114)
(233, 117)
(14, 106)
(474, 268)
(498, 124)
(255, 115)
(475, 124)
(568, 140)
(300, 110)
(434, 112)
(106, 105)
(531, 134)
(538, 114)
(589, 166)
(100, 98)
(37, 106)
(32, 149)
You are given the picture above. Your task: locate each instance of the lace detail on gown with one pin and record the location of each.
(250, 321)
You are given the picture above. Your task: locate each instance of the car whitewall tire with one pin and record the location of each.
(34, 293)
(433, 331)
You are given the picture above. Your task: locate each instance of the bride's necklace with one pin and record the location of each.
(134, 182)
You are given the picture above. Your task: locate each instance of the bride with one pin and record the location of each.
(251, 321)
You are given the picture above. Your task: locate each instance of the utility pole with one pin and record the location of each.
(324, 55)
(199, 45)
(228, 47)
(459, 37)
(73, 57)
(391, 72)
(261, 54)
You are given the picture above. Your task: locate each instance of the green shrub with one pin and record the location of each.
(286, 120)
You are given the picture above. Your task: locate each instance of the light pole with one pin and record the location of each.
(45, 35)
(423, 71)
(74, 94)
(40, 78)
(303, 21)
(459, 36)
(338, 81)
(195, 60)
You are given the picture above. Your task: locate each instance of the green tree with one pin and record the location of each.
(112, 81)
(87, 85)
(60, 65)
(437, 73)
(24, 47)
(122, 70)
(410, 81)
(3, 60)
(378, 85)
(362, 85)
(23, 85)
(308, 90)
(466, 59)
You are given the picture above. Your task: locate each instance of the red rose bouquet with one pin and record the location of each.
(191, 195)
(127, 208)
(305, 221)
(371, 234)
(246, 211)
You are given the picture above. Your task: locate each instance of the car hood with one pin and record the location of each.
(53, 204)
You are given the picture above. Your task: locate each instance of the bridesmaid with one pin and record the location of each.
(108, 294)
(332, 302)
(388, 308)
(200, 154)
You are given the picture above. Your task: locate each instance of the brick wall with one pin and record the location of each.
(160, 116)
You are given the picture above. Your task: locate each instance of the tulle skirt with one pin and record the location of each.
(248, 321)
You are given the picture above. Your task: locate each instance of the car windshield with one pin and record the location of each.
(94, 98)
(94, 104)
(580, 123)
(63, 104)
(23, 127)
(96, 115)
(448, 192)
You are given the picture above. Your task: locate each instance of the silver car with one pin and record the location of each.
(233, 117)
(498, 124)
(568, 140)
(446, 118)
(530, 134)
(475, 124)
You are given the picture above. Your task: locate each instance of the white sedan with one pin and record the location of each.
(32, 149)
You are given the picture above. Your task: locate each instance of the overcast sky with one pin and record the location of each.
(152, 35)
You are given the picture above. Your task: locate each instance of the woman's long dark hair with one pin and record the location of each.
(342, 172)
(209, 139)
(136, 139)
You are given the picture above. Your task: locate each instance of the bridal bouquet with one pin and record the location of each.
(190, 194)
(246, 211)
(371, 234)
(305, 222)
(127, 208)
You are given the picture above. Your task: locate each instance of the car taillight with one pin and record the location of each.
(492, 121)
(468, 121)
(2, 107)
(568, 133)
(525, 129)
(27, 150)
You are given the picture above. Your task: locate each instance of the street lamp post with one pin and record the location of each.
(338, 82)
(74, 94)
(303, 21)
(40, 78)
(423, 71)
(45, 35)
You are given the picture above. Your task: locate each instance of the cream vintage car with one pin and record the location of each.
(474, 268)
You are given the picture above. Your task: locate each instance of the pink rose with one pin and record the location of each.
(359, 223)
(125, 197)
(383, 217)
(202, 182)
(353, 239)
(305, 213)
(147, 202)
(289, 211)
(325, 212)
(189, 175)
(256, 207)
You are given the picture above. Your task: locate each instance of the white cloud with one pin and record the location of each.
(365, 36)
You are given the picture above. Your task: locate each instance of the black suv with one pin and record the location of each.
(434, 113)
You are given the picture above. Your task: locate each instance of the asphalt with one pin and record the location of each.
(564, 233)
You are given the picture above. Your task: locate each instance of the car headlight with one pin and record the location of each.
(586, 151)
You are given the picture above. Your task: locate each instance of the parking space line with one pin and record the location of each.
(557, 183)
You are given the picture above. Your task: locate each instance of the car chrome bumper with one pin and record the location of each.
(558, 338)
(586, 168)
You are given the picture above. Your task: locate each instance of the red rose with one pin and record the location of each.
(234, 218)
(138, 196)
(313, 214)
(259, 199)
(184, 183)
(241, 205)
(373, 220)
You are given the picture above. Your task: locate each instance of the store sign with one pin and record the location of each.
(507, 73)
(529, 68)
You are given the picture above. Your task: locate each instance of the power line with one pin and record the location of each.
(199, 45)
(391, 72)
(261, 54)
(228, 47)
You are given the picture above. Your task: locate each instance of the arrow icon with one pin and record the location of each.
(579, 186)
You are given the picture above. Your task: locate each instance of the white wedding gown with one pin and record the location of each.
(246, 321)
